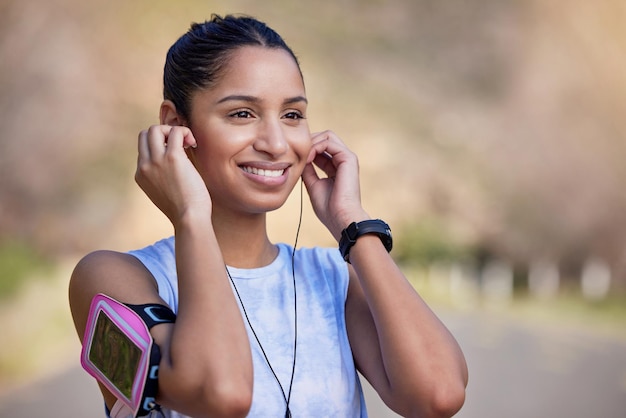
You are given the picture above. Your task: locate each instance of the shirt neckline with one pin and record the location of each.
(284, 255)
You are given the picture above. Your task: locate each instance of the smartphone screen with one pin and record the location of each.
(114, 354)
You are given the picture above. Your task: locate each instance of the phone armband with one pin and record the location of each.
(120, 353)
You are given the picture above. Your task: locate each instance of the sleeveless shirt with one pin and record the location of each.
(325, 382)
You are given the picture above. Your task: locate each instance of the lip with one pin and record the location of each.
(266, 173)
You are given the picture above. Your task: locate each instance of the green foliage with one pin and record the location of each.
(18, 263)
(425, 242)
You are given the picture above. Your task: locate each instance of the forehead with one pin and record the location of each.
(261, 69)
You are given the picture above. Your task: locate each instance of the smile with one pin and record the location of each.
(262, 172)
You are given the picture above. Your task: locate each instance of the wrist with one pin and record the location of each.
(356, 230)
(194, 219)
(343, 221)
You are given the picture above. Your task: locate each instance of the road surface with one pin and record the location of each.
(517, 370)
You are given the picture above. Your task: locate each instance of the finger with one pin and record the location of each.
(325, 162)
(181, 137)
(333, 145)
(328, 135)
(175, 139)
(318, 153)
(189, 141)
(316, 149)
(317, 136)
(327, 142)
(309, 176)
(320, 157)
(329, 153)
(319, 143)
(157, 138)
(143, 150)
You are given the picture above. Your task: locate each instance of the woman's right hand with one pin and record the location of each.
(167, 175)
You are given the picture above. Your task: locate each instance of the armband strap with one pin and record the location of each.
(153, 314)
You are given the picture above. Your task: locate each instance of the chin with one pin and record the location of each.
(256, 203)
(266, 207)
(269, 202)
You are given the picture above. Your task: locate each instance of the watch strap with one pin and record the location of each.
(355, 230)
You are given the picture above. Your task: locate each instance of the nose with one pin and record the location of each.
(271, 138)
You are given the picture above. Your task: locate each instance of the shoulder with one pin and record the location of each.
(161, 250)
(115, 274)
(108, 272)
(159, 258)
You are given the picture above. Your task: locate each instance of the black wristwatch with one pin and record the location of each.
(357, 229)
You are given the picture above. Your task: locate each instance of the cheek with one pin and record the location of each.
(207, 160)
(302, 143)
(213, 146)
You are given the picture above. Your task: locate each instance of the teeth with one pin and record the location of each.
(265, 173)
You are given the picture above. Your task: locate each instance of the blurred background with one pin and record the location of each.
(491, 137)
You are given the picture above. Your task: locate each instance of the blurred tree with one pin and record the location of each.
(502, 119)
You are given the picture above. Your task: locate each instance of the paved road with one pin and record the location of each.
(516, 371)
(519, 370)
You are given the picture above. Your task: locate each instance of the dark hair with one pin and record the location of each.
(195, 61)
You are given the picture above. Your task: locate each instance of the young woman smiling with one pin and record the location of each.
(263, 329)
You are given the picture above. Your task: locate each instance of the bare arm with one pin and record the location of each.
(206, 365)
(120, 276)
(398, 343)
(209, 357)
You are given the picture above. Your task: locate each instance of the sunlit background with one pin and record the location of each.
(491, 136)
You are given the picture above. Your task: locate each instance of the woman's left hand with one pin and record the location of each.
(336, 198)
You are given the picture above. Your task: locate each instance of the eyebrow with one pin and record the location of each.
(253, 99)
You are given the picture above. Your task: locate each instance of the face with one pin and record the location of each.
(253, 138)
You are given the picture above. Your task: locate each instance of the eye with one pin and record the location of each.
(294, 115)
(241, 114)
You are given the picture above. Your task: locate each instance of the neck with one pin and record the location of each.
(243, 239)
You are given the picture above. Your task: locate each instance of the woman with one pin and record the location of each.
(261, 330)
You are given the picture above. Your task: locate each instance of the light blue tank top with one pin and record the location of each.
(325, 383)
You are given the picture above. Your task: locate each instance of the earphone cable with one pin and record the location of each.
(245, 314)
(286, 397)
(295, 298)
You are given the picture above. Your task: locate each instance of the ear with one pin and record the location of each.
(168, 115)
